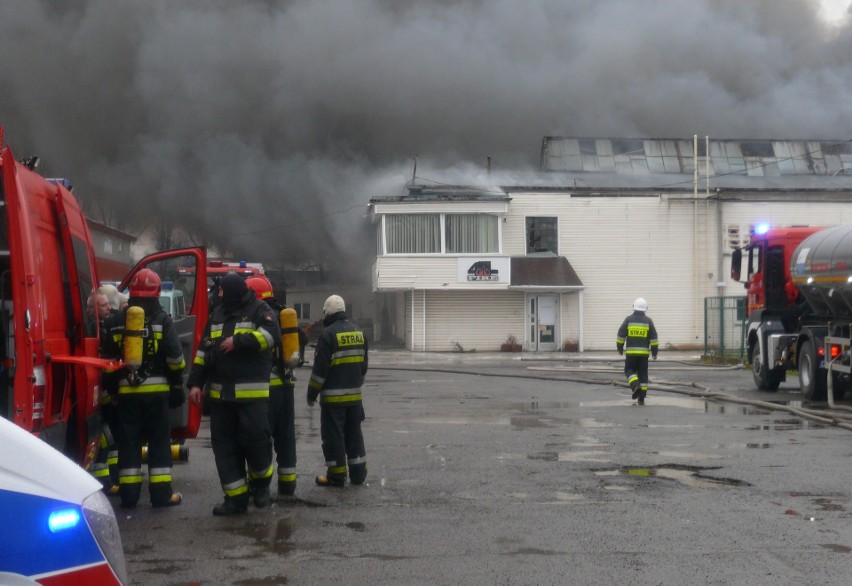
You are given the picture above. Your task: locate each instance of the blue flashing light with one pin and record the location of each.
(243, 264)
(761, 228)
(167, 285)
(63, 519)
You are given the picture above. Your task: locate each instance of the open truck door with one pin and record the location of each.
(182, 271)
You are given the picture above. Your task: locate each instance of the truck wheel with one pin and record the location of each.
(764, 380)
(812, 381)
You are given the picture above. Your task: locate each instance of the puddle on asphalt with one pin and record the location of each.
(574, 456)
(692, 476)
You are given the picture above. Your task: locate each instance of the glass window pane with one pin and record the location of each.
(471, 233)
(413, 233)
(542, 235)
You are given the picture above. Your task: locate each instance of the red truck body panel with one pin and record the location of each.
(50, 370)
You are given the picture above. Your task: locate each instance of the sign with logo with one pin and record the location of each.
(484, 270)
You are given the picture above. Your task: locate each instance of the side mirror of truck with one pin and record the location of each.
(736, 264)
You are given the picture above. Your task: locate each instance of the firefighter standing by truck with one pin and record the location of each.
(145, 389)
(637, 338)
(340, 364)
(105, 466)
(282, 382)
(235, 358)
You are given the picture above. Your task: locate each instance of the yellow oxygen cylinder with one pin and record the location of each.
(134, 324)
(289, 335)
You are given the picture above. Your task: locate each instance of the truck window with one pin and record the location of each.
(774, 277)
(85, 284)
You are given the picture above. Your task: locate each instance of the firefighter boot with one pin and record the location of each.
(641, 398)
(287, 488)
(261, 496)
(173, 501)
(232, 506)
(326, 481)
(636, 387)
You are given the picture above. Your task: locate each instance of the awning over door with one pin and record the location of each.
(554, 273)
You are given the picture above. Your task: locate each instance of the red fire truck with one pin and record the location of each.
(49, 366)
(799, 307)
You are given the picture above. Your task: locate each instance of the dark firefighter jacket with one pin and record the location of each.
(162, 355)
(637, 335)
(340, 363)
(242, 374)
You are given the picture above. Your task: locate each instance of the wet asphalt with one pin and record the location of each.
(525, 469)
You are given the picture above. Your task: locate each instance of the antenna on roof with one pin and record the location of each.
(488, 165)
(414, 173)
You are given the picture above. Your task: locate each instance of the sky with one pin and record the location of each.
(266, 126)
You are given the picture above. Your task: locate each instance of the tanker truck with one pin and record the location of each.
(799, 307)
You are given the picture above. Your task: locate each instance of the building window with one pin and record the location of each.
(303, 310)
(413, 233)
(471, 233)
(542, 235)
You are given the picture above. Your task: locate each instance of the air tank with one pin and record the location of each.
(821, 268)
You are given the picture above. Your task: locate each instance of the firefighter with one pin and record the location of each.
(145, 389)
(105, 466)
(637, 338)
(282, 384)
(340, 365)
(235, 358)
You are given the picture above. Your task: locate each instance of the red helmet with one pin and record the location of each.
(145, 283)
(261, 286)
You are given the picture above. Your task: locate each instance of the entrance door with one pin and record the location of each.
(543, 317)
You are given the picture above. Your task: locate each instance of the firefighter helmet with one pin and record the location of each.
(334, 304)
(261, 286)
(145, 283)
(640, 304)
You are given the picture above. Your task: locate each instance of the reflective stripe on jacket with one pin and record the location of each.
(242, 374)
(340, 363)
(637, 335)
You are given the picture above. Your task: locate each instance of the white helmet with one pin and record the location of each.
(640, 304)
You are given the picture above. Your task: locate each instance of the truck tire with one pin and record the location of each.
(812, 381)
(764, 379)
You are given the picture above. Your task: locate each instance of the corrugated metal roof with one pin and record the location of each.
(750, 157)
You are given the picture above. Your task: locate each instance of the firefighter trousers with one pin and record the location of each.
(239, 432)
(141, 418)
(105, 466)
(283, 426)
(343, 442)
(636, 369)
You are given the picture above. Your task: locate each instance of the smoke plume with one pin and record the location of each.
(265, 127)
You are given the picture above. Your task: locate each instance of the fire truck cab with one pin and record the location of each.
(50, 370)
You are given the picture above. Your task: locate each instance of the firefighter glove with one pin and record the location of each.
(176, 396)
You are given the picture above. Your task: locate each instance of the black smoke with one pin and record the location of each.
(265, 126)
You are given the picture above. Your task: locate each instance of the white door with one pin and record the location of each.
(543, 318)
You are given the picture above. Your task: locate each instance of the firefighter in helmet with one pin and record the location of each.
(340, 365)
(637, 338)
(235, 358)
(281, 404)
(150, 383)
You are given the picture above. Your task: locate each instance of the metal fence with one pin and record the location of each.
(724, 326)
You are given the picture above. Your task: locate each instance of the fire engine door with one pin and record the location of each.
(543, 319)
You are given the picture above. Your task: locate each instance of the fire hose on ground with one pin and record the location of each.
(838, 416)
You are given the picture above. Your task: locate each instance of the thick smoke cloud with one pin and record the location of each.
(266, 126)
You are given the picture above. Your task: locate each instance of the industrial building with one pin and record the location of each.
(552, 260)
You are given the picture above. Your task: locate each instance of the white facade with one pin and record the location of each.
(626, 234)
(673, 250)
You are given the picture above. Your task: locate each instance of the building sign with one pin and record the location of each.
(484, 270)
